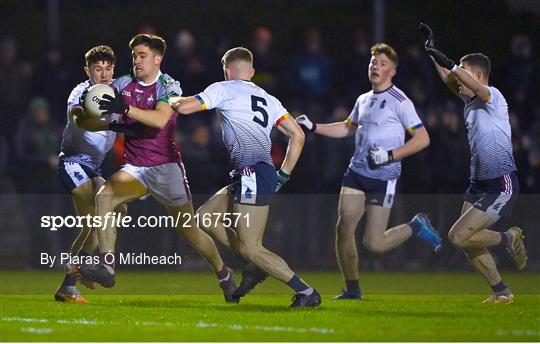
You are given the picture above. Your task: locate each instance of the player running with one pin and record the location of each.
(247, 115)
(153, 163)
(80, 159)
(494, 185)
(379, 120)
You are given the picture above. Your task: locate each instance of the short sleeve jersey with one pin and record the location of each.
(490, 136)
(382, 119)
(150, 146)
(82, 146)
(247, 116)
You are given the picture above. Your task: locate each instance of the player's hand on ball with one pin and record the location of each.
(304, 121)
(378, 156)
(428, 35)
(282, 178)
(114, 104)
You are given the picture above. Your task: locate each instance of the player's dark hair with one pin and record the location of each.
(238, 53)
(100, 53)
(478, 60)
(383, 48)
(156, 43)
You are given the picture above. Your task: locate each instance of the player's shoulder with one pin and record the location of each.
(169, 84)
(396, 95)
(78, 90)
(122, 81)
(495, 94)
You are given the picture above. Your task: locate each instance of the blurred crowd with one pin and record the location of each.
(308, 80)
(34, 94)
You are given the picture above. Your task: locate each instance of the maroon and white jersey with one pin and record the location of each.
(150, 146)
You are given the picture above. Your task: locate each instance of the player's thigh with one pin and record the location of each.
(218, 203)
(83, 197)
(121, 187)
(466, 206)
(472, 220)
(251, 224)
(376, 223)
(351, 206)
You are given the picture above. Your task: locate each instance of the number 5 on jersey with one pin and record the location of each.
(257, 108)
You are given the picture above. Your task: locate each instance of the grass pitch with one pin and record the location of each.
(182, 306)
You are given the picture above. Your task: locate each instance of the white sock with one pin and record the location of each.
(308, 291)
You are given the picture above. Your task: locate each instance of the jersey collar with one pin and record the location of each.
(392, 85)
(150, 83)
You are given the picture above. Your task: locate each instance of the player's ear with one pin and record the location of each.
(251, 72)
(158, 59)
(87, 71)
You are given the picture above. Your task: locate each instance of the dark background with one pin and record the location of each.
(313, 56)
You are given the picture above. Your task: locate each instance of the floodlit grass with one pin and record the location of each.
(181, 306)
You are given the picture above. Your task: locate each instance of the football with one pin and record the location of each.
(94, 97)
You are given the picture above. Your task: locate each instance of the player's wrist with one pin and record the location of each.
(390, 156)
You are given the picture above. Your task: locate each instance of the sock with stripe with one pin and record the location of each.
(299, 286)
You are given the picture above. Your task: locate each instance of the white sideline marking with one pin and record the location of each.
(200, 324)
(267, 328)
(36, 330)
(29, 320)
(528, 333)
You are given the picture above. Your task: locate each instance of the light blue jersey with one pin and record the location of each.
(81, 146)
(490, 136)
(247, 115)
(382, 119)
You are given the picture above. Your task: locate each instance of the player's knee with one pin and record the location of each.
(105, 197)
(373, 246)
(455, 238)
(344, 229)
(249, 253)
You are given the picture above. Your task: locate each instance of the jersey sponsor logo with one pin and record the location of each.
(382, 104)
(126, 93)
(150, 99)
(248, 194)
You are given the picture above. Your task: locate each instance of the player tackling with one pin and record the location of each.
(153, 163)
(248, 115)
(494, 186)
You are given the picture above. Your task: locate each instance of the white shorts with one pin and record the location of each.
(167, 183)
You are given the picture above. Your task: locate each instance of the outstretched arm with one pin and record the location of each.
(186, 105)
(449, 71)
(336, 129)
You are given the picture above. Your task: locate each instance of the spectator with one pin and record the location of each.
(186, 64)
(53, 80)
(310, 73)
(265, 60)
(15, 76)
(36, 145)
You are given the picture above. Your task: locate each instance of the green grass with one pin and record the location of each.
(181, 306)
